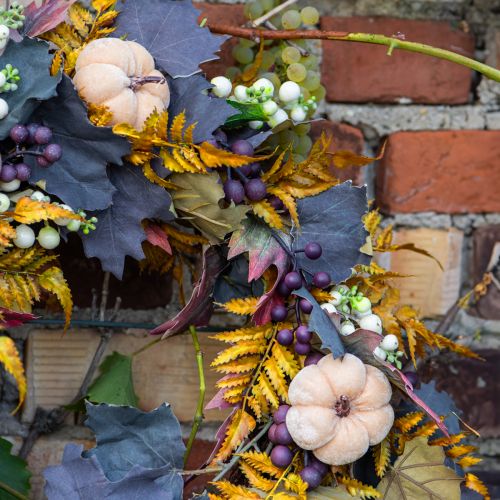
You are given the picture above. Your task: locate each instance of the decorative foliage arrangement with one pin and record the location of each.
(109, 131)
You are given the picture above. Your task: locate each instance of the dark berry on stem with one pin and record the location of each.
(321, 279)
(301, 348)
(313, 250)
(23, 171)
(255, 170)
(8, 173)
(245, 169)
(318, 464)
(303, 334)
(305, 306)
(220, 136)
(32, 128)
(281, 456)
(271, 433)
(313, 358)
(43, 135)
(52, 152)
(279, 416)
(255, 190)
(19, 134)
(282, 435)
(42, 161)
(285, 337)
(293, 280)
(275, 202)
(242, 147)
(311, 476)
(282, 289)
(279, 313)
(234, 191)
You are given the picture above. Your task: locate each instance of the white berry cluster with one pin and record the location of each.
(278, 104)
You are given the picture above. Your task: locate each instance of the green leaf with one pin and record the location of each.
(115, 384)
(247, 113)
(420, 473)
(13, 473)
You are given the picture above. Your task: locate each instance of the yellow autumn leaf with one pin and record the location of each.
(343, 159)
(7, 233)
(214, 157)
(28, 211)
(243, 348)
(266, 211)
(475, 484)
(243, 306)
(99, 115)
(261, 462)
(9, 357)
(53, 281)
(382, 457)
(255, 478)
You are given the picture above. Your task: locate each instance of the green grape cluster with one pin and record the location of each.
(13, 17)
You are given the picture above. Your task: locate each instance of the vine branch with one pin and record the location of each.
(345, 36)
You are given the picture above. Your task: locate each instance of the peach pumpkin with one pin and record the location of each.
(339, 408)
(115, 73)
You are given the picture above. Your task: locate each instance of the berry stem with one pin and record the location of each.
(137, 82)
(16, 154)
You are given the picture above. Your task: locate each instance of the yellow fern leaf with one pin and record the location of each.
(277, 378)
(285, 360)
(28, 211)
(16, 293)
(242, 424)
(294, 483)
(447, 441)
(255, 478)
(372, 221)
(446, 343)
(243, 306)
(234, 381)
(266, 388)
(288, 201)
(321, 295)
(425, 430)
(240, 365)
(265, 210)
(261, 462)
(80, 18)
(407, 422)
(69, 34)
(355, 487)
(7, 233)
(460, 450)
(475, 484)
(101, 5)
(382, 456)
(57, 63)
(465, 462)
(268, 175)
(235, 492)
(105, 20)
(99, 115)
(245, 333)
(213, 157)
(254, 404)
(9, 357)
(243, 348)
(152, 176)
(53, 281)
(178, 124)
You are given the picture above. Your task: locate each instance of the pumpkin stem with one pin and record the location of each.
(342, 406)
(136, 82)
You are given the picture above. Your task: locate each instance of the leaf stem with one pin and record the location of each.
(198, 416)
(12, 491)
(344, 36)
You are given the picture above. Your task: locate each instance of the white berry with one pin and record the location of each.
(328, 308)
(269, 108)
(298, 114)
(64, 221)
(49, 238)
(4, 203)
(25, 236)
(380, 353)
(73, 225)
(279, 117)
(264, 85)
(37, 196)
(361, 304)
(342, 289)
(255, 124)
(390, 343)
(240, 92)
(347, 327)
(289, 91)
(9, 187)
(4, 32)
(222, 86)
(4, 107)
(371, 322)
(336, 299)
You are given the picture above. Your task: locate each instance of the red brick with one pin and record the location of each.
(356, 72)
(344, 137)
(442, 171)
(230, 14)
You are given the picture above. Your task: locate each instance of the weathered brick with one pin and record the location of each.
(355, 72)
(344, 137)
(230, 14)
(442, 171)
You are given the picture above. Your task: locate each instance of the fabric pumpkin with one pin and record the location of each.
(340, 407)
(113, 72)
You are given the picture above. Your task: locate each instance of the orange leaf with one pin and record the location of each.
(213, 157)
(474, 483)
(9, 357)
(343, 159)
(28, 211)
(53, 281)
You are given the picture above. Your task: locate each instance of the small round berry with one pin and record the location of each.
(336, 299)
(19, 134)
(255, 124)
(281, 456)
(246, 169)
(73, 225)
(293, 280)
(328, 308)
(9, 187)
(412, 377)
(282, 435)
(371, 322)
(234, 191)
(64, 221)
(311, 476)
(279, 416)
(318, 464)
(282, 289)
(242, 147)
(32, 128)
(305, 306)
(313, 358)
(4, 109)
(301, 348)
(303, 334)
(48, 238)
(298, 114)
(276, 203)
(222, 86)
(289, 91)
(278, 118)
(321, 279)
(25, 236)
(23, 171)
(255, 170)
(361, 304)
(285, 337)
(42, 161)
(264, 85)
(43, 135)
(279, 313)
(240, 92)
(4, 203)
(269, 108)
(37, 196)
(220, 136)
(380, 353)
(390, 343)
(271, 433)
(52, 152)
(8, 173)
(347, 327)
(255, 189)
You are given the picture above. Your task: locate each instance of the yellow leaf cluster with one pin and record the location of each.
(24, 274)
(232, 491)
(242, 306)
(28, 211)
(10, 359)
(99, 115)
(355, 487)
(82, 26)
(382, 457)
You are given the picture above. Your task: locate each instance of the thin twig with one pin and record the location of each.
(345, 36)
(104, 296)
(12, 491)
(262, 19)
(198, 416)
(199, 472)
(303, 52)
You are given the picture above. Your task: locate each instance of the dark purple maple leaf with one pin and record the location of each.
(11, 319)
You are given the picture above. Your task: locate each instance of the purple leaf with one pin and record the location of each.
(12, 319)
(199, 308)
(220, 435)
(264, 250)
(170, 31)
(218, 402)
(158, 238)
(44, 18)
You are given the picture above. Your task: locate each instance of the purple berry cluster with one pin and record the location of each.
(33, 140)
